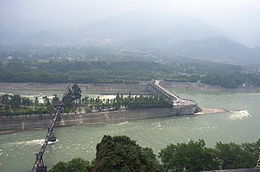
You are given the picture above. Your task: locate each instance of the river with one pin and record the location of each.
(242, 124)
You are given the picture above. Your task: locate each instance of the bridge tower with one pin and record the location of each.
(40, 167)
(52, 137)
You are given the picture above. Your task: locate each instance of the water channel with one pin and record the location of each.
(242, 124)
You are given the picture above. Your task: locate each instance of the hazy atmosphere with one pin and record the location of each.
(239, 20)
(129, 85)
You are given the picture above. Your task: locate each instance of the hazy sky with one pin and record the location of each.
(238, 18)
(75, 12)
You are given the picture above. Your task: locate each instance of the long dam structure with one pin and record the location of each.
(180, 106)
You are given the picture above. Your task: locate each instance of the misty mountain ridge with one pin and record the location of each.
(218, 49)
(132, 25)
(138, 24)
(180, 35)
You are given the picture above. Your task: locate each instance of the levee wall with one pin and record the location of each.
(24, 122)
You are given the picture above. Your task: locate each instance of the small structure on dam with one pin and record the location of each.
(180, 106)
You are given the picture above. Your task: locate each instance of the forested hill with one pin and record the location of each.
(83, 71)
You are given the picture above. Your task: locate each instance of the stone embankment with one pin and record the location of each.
(27, 122)
(24, 122)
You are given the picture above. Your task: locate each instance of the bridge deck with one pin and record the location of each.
(177, 101)
(167, 93)
(39, 155)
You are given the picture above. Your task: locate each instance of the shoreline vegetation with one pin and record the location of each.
(49, 70)
(191, 156)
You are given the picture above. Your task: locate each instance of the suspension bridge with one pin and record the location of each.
(39, 163)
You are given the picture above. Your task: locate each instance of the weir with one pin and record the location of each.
(181, 106)
(156, 85)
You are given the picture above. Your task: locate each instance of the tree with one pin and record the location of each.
(193, 156)
(75, 165)
(233, 156)
(26, 101)
(85, 100)
(253, 148)
(68, 99)
(5, 99)
(15, 100)
(36, 101)
(71, 97)
(76, 92)
(120, 153)
(55, 99)
(46, 100)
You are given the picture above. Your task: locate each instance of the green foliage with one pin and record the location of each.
(17, 105)
(75, 165)
(26, 111)
(233, 156)
(120, 153)
(55, 99)
(26, 101)
(46, 100)
(136, 102)
(84, 71)
(76, 92)
(147, 102)
(36, 101)
(15, 100)
(253, 148)
(72, 96)
(5, 99)
(193, 156)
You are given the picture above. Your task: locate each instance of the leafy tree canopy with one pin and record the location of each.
(120, 153)
(193, 156)
(75, 165)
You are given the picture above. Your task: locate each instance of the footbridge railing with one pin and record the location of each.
(177, 101)
(39, 163)
(158, 87)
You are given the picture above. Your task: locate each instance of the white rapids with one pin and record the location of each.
(239, 115)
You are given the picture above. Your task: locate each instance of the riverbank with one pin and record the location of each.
(206, 87)
(13, 124)
(138, 88)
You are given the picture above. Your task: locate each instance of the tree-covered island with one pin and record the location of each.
(73, 102)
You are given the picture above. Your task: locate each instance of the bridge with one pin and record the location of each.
(163, 91)
(39, 164)
(178, 102)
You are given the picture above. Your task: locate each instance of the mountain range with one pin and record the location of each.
(178, 34)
